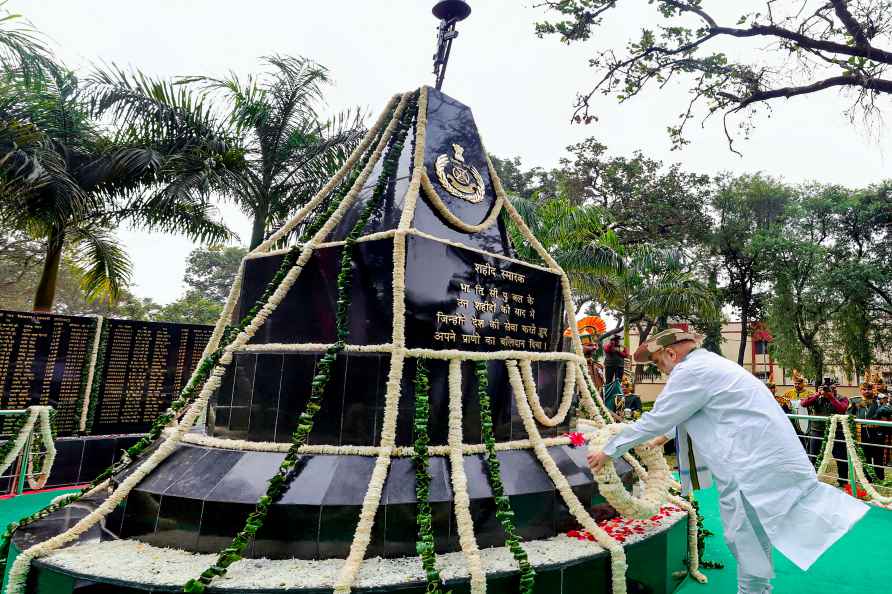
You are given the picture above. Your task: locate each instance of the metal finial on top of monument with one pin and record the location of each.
(449, 12)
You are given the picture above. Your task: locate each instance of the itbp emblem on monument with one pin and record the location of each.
(459, 178)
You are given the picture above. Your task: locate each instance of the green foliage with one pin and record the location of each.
(211, 271)
(645, 201)
(289, 468)
(22, 48)
(530, 183)
(504, 513)
(258, 141)
(827, 301)
(421, 459)
(808, 51)
(748, 210)
(72, 184)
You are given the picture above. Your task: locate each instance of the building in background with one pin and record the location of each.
(758, 360)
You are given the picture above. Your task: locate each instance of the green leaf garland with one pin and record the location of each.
(503, 505)
(859, 451)
(594, 393)
(423, 516)
(279, 483)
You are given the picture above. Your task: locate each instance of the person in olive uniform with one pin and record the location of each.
(872, 436)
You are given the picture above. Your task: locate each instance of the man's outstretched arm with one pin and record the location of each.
(681, 398)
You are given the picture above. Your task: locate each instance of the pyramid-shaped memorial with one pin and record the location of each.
(387, 380)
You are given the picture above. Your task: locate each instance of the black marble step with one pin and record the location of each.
(199, 498)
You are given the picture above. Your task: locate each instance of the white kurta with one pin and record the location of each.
(742, 435)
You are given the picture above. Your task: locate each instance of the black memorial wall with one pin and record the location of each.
(45, 359)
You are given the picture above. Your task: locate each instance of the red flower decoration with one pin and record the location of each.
(577, 439)
(862, 494)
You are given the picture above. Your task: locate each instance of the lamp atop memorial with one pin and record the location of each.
(449, 12)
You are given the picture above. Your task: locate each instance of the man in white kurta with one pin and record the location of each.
(768, 490)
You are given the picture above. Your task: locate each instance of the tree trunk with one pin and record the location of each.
(744, 336)
(817, 361)
(46, 288)
(258, 231)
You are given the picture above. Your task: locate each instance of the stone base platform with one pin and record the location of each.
(564, 565)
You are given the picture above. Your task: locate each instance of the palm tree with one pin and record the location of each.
(21, 49)
(67, 182)
(576, 236)
(641, 285)
(282, 151)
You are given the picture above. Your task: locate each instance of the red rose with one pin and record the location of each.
(577, 439)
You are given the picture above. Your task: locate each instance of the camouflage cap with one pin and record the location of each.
(662, 340)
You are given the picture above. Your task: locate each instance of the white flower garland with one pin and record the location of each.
(38, 481)
(91, 370)
(272, 347)
(450, 354)
(858, 467)
(566, 399)
(693, 553)
(242, 445)
(279, 252)
(348, 166)
(411, 200)
(460, 497)
(827, 469)
(617, 553)
(362, 536)
(34, 413)
(656, 484)
(434, 199)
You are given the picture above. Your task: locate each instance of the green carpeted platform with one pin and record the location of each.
(859, 563)
(15, 508)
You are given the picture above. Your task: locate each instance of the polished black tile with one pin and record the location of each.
(312, 482)
(298, 371)
(477, 476)
(245, 365)
(67, 467)
(220, 522)
(246, 481)
(140, 514)
(289, 531)
(522, 473)
(99, 452)
(337, 525)
(363, 401)
(400, 485)
(179, 520)
(265, 399)
(173, 468)
(350, 481)
(487, 527)
(534, 515)
(204, 474)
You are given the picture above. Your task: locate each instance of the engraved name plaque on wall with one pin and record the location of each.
(144, 366)
(42, 361)
(457, 298)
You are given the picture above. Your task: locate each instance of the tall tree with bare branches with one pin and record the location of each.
(810, 46)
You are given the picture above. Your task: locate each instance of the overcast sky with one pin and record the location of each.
(520, 88)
